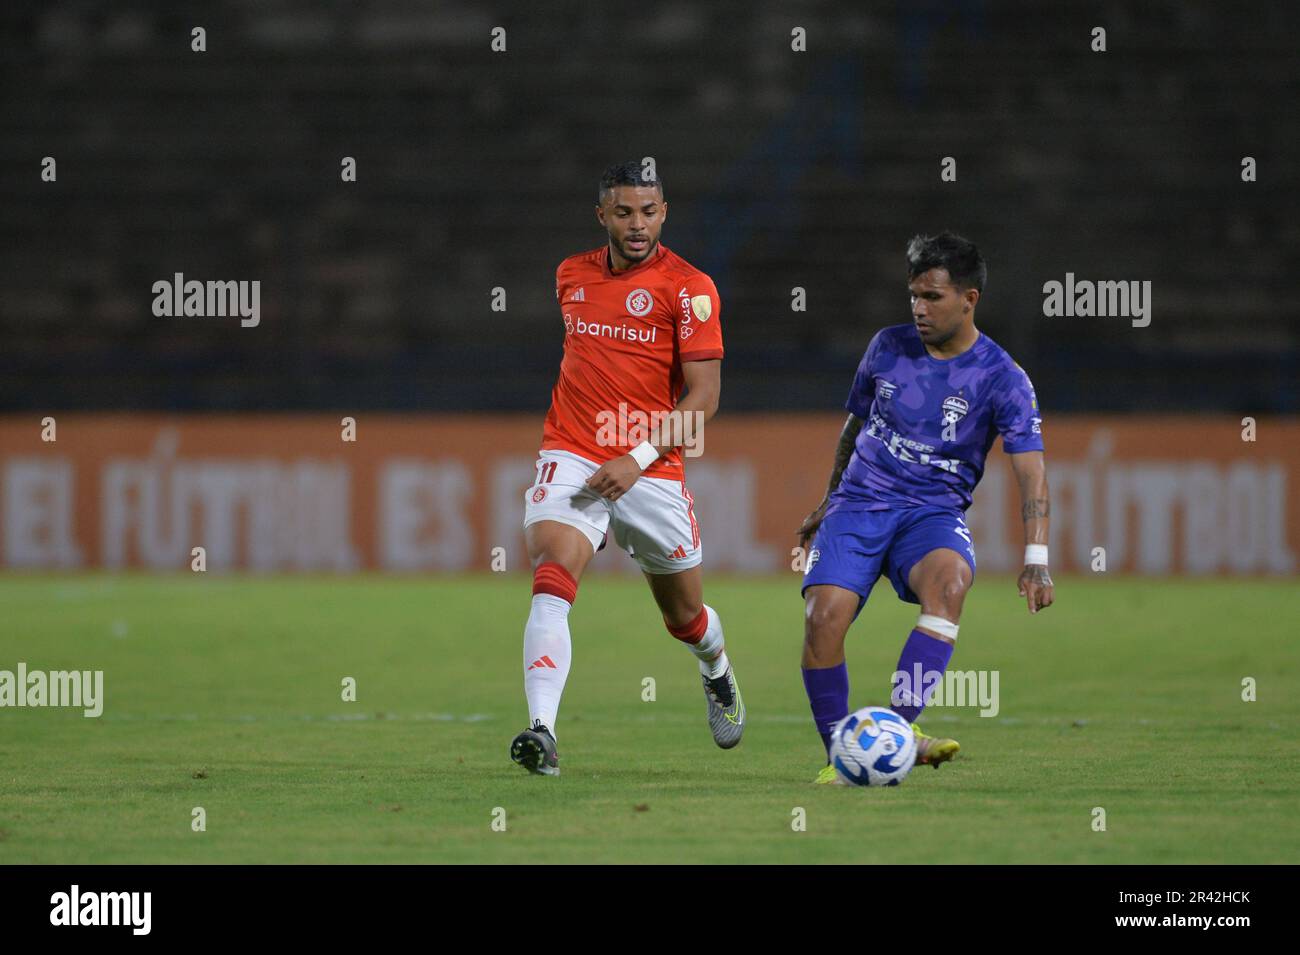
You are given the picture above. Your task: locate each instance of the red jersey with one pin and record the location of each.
(626, 335)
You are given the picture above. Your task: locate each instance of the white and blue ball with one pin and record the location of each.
(873, 747)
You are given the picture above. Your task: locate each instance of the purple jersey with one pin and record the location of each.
(929, 422)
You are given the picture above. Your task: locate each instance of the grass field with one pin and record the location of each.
(225, 693)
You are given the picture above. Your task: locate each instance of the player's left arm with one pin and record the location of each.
(1035, 509)
(683, 428)
(699, 404)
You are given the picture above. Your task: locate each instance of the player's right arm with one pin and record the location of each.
(843, 453)
(858, 405)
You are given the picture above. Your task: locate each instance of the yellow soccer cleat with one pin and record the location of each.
(829, 777)
(931, 751)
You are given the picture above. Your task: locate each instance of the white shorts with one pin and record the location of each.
(654, 521)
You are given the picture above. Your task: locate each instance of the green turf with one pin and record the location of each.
(225, 693)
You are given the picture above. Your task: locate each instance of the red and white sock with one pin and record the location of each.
(703, 636)
(547, 648)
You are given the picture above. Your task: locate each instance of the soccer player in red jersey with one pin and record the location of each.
(640, 323)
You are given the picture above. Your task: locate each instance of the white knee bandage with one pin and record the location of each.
(945, 628)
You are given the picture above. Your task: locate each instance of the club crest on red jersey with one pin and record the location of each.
(639, 302)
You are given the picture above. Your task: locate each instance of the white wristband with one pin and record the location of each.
(645, 454)
(1035, 554)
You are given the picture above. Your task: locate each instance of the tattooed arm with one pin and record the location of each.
(1035, 509)
(843, 452)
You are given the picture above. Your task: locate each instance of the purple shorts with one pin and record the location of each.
(853, 548)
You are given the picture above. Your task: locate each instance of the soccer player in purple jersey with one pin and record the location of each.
(927, 402)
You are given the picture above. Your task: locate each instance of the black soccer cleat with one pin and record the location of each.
(534, 749)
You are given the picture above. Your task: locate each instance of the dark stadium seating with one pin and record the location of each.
(478, 169)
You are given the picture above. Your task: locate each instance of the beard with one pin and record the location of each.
(638, 256)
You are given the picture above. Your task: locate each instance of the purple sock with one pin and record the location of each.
(920, 668)
(828, 694)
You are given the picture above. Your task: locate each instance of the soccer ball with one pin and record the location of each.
(873, 747)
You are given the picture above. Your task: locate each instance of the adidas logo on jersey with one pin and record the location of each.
(542, 663)
(678, 554)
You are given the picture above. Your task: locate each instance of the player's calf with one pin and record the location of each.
(702, 635)
(725, 708)
(828, 612)
(547, 655)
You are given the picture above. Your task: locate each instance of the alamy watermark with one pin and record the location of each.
(924, 687)
(178, 298)
(76, 907)
(1109, 299)
(75, 688)
(626, 428)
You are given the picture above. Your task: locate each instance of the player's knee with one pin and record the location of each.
(680, 615)
(955, 585)
(550, 542)
(947, 591)
(564, 553)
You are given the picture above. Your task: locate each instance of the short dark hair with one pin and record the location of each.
(630, 173)
(948, 251)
